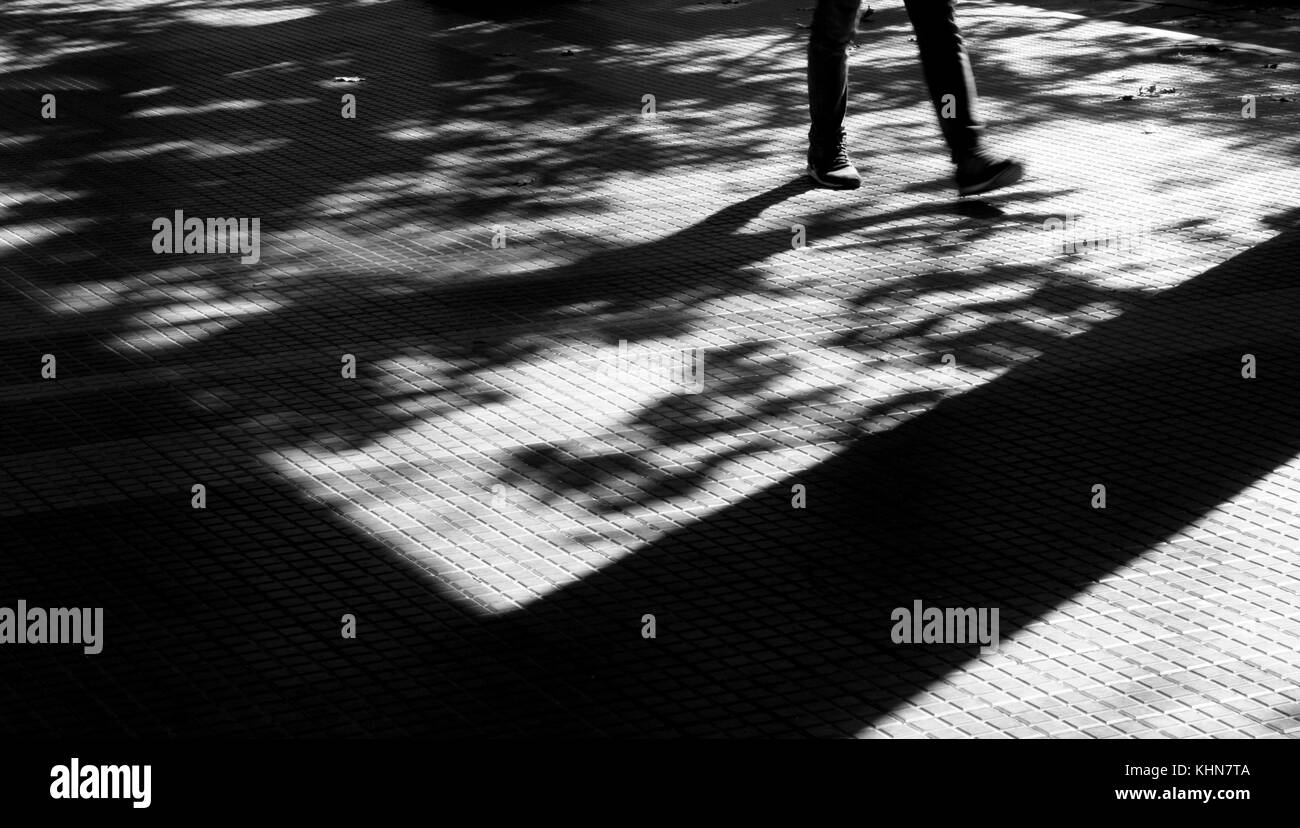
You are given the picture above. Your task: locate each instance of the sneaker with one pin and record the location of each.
(980, 173)
(829, 165)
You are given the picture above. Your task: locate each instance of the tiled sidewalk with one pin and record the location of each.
(501, 494)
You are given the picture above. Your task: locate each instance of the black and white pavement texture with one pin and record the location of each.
(448, 399)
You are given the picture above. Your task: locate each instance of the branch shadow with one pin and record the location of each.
(775, 620)
(226, 620)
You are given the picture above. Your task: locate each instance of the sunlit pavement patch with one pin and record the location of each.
(488, 244)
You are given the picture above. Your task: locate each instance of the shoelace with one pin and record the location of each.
(841, 156)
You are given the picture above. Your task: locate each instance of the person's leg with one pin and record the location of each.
(951, 82)
(834, 25)
(947, 73)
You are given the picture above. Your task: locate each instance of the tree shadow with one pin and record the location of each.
(226, 619)
(776, 620)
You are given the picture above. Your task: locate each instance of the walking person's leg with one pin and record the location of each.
(948, 75)
(834, 25)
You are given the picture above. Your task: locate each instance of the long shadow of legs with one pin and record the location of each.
(770, 619)
(227, 619)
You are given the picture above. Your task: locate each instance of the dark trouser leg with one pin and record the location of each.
(947, 73)
(834, 25)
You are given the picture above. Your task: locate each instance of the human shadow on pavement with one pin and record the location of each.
(770, 619)
(227, 619)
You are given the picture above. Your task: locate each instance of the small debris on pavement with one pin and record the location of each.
(1153, 91)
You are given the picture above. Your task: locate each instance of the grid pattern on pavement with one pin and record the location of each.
(519, 472)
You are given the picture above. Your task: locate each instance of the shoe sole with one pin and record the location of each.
(852, 185)
(1006, 178)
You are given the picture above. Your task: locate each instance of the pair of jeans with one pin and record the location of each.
(943, 59)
